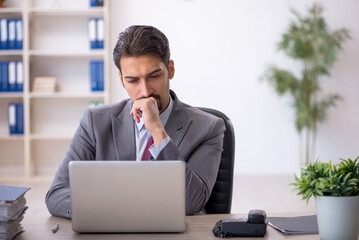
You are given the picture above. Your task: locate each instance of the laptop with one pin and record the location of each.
(127, 196)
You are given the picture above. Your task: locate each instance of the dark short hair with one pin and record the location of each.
(139, 40)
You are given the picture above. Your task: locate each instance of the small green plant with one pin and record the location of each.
(325, 179)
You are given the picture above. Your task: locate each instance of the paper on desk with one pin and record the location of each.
(295, 225)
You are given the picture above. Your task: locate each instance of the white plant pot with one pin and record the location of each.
(338, 217)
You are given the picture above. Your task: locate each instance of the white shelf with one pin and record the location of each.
(79, 95)
(55, 43)
(11, 52)
(4, 136)
(67, 12)
(11, 10)
(11, 95)
(48, 53)
(50, 136)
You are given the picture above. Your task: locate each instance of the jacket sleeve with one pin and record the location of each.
(82, 146)
(201, 166)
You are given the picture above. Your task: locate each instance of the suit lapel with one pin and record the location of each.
(124, 134)
(178, 123)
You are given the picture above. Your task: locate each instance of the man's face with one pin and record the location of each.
(147, 76)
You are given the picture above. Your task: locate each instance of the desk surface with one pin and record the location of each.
(197, 227)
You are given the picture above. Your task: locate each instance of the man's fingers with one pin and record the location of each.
(144, 108)
(142, 105)
(138, 116)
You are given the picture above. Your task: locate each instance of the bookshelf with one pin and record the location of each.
(55, 43)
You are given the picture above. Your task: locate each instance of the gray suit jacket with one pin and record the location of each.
(107, 133)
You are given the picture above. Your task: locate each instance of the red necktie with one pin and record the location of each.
(146, 154)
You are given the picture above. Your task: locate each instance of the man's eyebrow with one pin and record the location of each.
(154, 71)
(129, 77)
(148, 74)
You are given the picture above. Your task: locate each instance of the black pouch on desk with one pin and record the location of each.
(253, 226)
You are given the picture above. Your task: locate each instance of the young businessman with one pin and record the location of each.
(153, 116)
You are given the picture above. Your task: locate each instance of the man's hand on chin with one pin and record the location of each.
(151, 118)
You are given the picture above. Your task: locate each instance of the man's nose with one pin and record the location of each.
(146, 90)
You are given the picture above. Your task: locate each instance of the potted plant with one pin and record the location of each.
(310, 41)
(336, 190)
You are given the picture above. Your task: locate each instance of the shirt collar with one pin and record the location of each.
(163, 117)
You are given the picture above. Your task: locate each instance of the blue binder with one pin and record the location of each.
(4, 34)
(100, 3)
(19, 34)
(11, 26)
(1, 90)
(20, 118)
(97, 75)
(96, 3)
(93, 75)
(92, 32)
(5, 76)
(100, 76)
(100, 33)
(12, 118)
(19, 76)
(93, 3)
(12, 76)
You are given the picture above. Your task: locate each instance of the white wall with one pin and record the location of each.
(221, 48)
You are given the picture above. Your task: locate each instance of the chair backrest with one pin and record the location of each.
(220, 200)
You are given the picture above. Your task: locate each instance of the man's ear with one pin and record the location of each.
(119, 73)
(171, 69)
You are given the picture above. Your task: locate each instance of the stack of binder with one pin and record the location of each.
(45, 84)
(11, 76)
(12, 209)
(16, 118)
(96, 3)
(96, 33)
(11, 34)
(96, 75)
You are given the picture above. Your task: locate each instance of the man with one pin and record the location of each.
(152, 125)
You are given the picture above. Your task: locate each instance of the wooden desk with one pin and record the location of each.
(197, 227)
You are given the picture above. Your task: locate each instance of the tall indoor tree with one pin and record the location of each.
(308, 40)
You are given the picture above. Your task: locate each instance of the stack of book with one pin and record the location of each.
(12, 209)
(47, 84)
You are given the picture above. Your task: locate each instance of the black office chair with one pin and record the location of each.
(220, 200)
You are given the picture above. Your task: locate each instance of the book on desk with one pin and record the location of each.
(12, 209)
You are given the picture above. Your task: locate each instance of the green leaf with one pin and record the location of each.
(325, 179)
